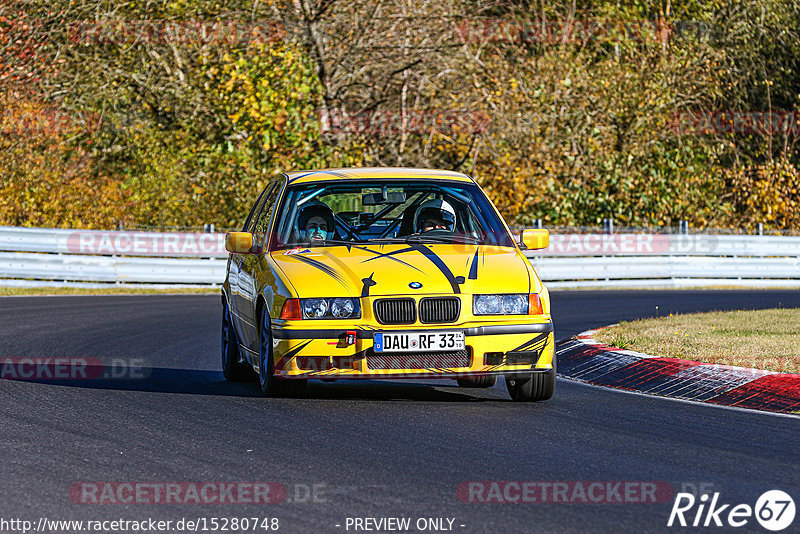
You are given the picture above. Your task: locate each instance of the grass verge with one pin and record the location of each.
(111, 290)
(761, 339)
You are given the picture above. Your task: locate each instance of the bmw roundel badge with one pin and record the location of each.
(415, 285)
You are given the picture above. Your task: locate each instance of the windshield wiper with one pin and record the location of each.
(341, 242)
(387, 240)
(421, 238)
(321, 244)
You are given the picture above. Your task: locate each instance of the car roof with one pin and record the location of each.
(297, 177)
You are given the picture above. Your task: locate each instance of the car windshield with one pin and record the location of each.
(387, 211)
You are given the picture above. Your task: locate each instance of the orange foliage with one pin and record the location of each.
(768, 193)
(46, 177)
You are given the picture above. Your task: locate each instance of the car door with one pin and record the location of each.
(248, 286)
(240, 323)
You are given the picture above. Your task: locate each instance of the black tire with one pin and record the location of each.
(534, 386)
(270, 385)
(485, 381)
(233, 369)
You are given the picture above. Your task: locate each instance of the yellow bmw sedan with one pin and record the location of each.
(371, 273)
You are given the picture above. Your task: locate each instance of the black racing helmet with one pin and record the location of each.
(315, 208)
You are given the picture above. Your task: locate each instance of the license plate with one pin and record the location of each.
(417, 341)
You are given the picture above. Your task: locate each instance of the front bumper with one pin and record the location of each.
(491, 349)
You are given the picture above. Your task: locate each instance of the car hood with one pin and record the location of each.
(364, 270)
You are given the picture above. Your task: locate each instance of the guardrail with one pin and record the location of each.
(116, 243)
(36, 257)
(668, 260)
(57, 257)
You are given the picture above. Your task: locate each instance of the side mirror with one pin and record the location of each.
(535, 239)
(239, 242)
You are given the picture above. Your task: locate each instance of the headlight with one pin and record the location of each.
(330, 308)
(315, 308)
(342, 308)
(514, 304)
(486, 304)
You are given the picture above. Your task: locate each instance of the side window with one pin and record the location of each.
(262, 226)
(253, 217)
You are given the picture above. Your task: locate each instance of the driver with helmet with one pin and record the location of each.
(315, 223)
(434, 214)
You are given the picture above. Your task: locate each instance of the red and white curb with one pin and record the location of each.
(586, 359)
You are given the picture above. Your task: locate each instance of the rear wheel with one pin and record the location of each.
(232, 368)
(533, 386)
(485, 381)
(272, 386)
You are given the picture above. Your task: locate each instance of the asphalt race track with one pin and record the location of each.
(375, 449)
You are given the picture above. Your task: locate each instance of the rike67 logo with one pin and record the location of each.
(774, 510)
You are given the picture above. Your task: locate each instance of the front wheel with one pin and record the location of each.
(232, 368)
(534, 386)
(270, 385)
